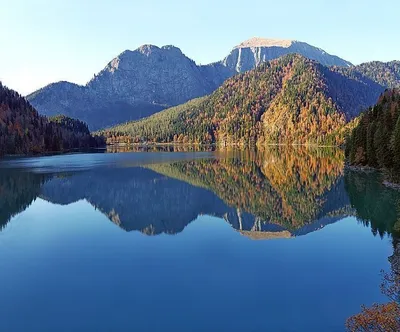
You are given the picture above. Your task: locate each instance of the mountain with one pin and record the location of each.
(385, 73)
(24, 131)
(375, 141)
(288, 100)
(151, 74)
(142, 82)
(254, 51)
(132, 86)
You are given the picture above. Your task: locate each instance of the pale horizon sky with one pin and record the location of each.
(45, 41)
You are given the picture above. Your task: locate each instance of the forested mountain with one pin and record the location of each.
(288, 100)
(139, 83)
(386, 74)
(375, 142)
(24, 131)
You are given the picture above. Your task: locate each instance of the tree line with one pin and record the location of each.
(24, 131)
(375, 141)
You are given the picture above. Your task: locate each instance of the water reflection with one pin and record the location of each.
(72, 250)
(17, 191)
(279, 192)
(376, 205)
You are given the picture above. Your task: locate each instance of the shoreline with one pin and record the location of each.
(220, 145)
(52, 153)
(369, 169)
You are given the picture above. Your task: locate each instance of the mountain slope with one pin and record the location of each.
(385, 73)
(254, 51)
(139, 83)
(375, 142)
(164, 75)
(85, 104)
(24, 131)
(288, 100)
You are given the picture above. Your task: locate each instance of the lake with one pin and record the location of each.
(279, 240)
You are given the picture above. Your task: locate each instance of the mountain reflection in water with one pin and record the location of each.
(276, 193)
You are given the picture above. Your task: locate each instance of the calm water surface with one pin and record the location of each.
(283, 240)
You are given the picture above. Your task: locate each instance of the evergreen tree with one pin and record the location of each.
(371, 156)
(375, 141)
(396, 146)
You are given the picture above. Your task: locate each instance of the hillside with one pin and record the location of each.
(375, 142)
(288, 100)
(24, 131)
(84, 104)
(142, 82)
(385, 73)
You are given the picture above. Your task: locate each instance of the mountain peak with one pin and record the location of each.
(147, 49)
(265, 42)
(171, 48)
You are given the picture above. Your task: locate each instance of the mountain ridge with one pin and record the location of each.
(141, 82)
(265, 42)
(288, 100)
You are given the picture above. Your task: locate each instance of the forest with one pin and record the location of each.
(24, 131)
(385, 73)
(375, 141)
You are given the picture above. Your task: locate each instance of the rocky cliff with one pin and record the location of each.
(254, 51)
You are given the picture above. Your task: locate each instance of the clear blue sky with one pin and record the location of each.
(43, 41)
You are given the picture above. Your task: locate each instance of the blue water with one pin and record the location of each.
(68, 267)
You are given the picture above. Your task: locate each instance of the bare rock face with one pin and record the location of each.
(254, 51)
(139, 83)
(152, 74)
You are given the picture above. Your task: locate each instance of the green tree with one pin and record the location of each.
(396, 146)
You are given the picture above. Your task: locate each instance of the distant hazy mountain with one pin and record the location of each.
(139, 83)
